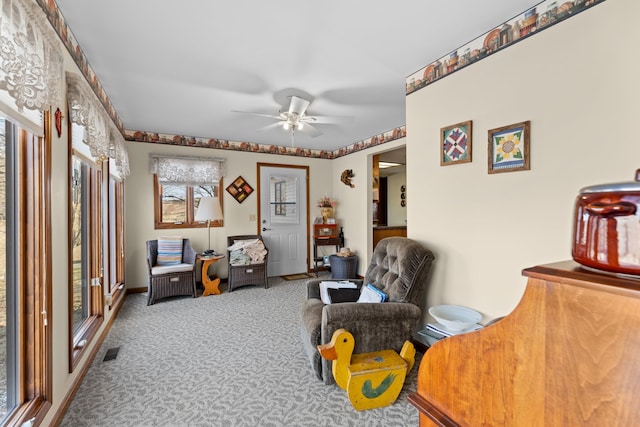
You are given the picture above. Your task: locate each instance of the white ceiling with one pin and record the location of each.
(183, 67)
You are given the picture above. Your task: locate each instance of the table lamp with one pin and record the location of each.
(209, 210)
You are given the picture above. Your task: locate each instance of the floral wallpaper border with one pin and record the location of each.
(542, 16)
(224, 144)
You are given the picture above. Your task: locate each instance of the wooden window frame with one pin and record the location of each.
(116, 286)
(191, 211)
(80, 339)
(35, 384)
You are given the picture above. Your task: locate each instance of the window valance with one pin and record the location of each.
(101, 135)
(186, 170)
(31, 62)
(118, 152)
(85, 110)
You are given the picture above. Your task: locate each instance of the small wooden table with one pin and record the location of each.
(210, 285)
(324, 241)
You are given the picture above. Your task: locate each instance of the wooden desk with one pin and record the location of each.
(323, 241)
(211, 286)
(566, 356)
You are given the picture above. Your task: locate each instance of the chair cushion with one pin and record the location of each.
(165, 269)
(169, 251)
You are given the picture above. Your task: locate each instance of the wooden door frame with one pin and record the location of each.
(259, 218)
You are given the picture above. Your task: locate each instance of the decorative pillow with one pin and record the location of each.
(169, 250)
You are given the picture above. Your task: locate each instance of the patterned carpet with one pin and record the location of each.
(229, 360)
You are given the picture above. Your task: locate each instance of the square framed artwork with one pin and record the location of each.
(239, 189)
(509, 148)
(455, 144)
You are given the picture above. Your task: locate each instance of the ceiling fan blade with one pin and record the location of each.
(298, 106)
(271, 126)
(310, 130)
(325, 120)
(257, 114)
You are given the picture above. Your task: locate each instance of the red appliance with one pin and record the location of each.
(607, 227)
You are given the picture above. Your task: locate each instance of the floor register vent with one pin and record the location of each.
(111, 354)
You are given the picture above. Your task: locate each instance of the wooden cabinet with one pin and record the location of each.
(566, 356)
(325, 230)
(380, 233)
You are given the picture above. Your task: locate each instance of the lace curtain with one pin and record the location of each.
(118, 152)
(101, 135)
(85, 110)
(186, 170)
(31, 62)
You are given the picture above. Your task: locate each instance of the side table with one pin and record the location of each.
(323, 241)
(211, 286)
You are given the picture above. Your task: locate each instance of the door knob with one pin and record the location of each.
(265, 229)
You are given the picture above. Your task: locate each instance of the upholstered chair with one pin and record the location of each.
(172, 266)
(400, 268)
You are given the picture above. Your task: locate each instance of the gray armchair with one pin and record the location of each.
(171, 280)
(400, 268)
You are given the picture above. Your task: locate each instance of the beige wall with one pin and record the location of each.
(353, 211)
(577, 83)
(396, 214)
(353, 204)
(139, 223)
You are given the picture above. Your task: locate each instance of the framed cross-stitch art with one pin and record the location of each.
(455, 144)
(509, 148)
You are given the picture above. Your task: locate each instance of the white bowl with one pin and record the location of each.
(455, 317)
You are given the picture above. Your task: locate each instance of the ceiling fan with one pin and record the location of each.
(296, 119)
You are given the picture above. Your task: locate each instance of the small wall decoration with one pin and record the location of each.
(455, 144)
(58, 118)
(239, 189)
(346, 177)
(509, 148)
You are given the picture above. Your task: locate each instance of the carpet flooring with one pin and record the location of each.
(233, 359)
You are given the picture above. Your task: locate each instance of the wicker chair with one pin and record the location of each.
(171, 280)
(250, 274)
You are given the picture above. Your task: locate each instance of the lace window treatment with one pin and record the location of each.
(101, 135)
(85, 110)
(31, 62)
(118, 152)
(186, 170)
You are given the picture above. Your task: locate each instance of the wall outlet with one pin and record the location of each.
(108, 299)
(252, 217)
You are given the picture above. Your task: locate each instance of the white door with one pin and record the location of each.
(284, 218)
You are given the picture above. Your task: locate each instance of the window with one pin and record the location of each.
(85, 246)
(282, 200)
(177, 204)
(280, 197)
(25, 269)
(8, 255)
(116, 240)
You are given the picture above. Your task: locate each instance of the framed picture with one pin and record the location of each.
(239, 189)
(455, 144)
(509, 148)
